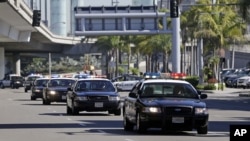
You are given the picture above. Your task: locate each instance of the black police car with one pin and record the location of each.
(56, 90)
(93, 95)
(171, 105)
(37, 88)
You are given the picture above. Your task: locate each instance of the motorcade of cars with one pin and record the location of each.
(171, 105)
(93, 95)
(37, 88)
(125, 82)
(56, 90)
(29, 81)
(13, 81)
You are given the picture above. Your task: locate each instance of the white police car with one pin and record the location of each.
(125, 82)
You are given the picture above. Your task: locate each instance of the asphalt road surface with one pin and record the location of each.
(24, 120)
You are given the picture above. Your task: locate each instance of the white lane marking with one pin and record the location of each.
(101, 131)
(82, 124)
(69, 119)
(129, 140)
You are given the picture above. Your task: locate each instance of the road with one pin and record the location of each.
(22, 119)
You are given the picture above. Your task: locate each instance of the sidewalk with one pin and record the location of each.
(229, 91)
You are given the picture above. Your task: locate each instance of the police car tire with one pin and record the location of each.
(202, 130)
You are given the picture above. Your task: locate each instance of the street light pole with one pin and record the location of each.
(49, 65)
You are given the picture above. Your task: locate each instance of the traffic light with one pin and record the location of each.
(36, 17)
(174, 9)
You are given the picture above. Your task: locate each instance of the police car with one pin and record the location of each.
(125, 82)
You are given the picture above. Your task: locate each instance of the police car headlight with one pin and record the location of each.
(81, 98)
(152, 110)
(37, 90)
(201, 111)
(114, 98)
(52, 92)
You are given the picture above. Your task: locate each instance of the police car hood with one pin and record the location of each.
(58, 88)
(97, 93)
(126, 82)
(163, 102)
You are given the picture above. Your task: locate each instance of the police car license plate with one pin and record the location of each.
(177, 119)
(98, 104)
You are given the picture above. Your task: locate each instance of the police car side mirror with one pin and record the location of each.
(203, 96)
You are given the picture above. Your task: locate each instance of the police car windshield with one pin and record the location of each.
(95, 85)
(169, 90)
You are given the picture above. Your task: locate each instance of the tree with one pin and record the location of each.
(244, 6)
(217, 25)
(110, 46)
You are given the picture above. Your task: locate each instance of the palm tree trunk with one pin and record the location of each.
(116, 62)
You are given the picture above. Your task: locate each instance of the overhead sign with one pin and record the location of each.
(123, 20)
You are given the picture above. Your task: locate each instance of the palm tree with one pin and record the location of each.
(110, 46)
(217, 25)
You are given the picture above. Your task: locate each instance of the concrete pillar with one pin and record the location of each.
(17, 63)
(18, 66)
(59, 17)
(2, 63)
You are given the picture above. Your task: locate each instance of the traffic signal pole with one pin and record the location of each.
(176, 52)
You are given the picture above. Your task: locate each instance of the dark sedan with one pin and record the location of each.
(171, 105)
(56, 90)
(93, 95)
(37, 88)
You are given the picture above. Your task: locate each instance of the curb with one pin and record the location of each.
(244, 95)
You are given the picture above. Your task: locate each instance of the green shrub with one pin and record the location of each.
(220, 86)
(210, 87)
(194, 80)
(200, 87)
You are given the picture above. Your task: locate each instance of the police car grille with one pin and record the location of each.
(98, 98)
(178, 110)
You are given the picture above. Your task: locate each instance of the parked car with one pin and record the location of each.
(232, 81)
(173, 105)
(37, 88)
(125, 82)
(92, 95)
(29, 81)
(12, 81)
(56, 90)
(243, 82)
(237, 73)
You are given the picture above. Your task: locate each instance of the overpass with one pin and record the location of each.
(18, 36)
